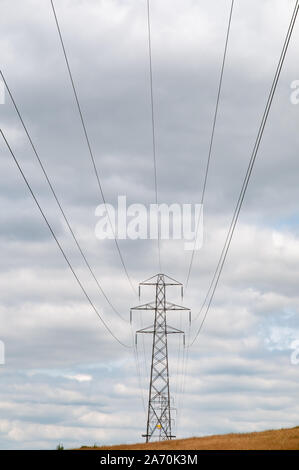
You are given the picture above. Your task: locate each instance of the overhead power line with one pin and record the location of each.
(213, 285)
(212, 136)
(153, 124)
(59, 245)
(57, 199)
(97, 174)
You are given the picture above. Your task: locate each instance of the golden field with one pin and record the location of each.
(282, 439)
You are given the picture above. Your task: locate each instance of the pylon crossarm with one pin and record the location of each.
(152, 281)
(148, 306)
(171, 330)
(148, 329)
(171, 306)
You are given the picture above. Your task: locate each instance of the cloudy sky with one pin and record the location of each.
(65, 379)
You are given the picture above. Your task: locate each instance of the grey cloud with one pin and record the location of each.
(235, 381)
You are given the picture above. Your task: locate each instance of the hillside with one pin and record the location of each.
(282, 439)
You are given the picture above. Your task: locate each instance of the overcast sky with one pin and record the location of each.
(65, 379)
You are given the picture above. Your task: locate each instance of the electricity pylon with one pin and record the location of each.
(159, 410)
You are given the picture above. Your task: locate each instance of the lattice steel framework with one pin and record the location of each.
(159, 420)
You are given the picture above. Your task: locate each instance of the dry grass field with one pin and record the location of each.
(282, 439)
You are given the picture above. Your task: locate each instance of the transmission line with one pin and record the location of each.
(96, 173)
(59, 245)
(89, 144)
(57, 200)
(153, 125)
(212, 137)
(249, 171)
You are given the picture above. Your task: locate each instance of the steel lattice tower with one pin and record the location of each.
(159, 420)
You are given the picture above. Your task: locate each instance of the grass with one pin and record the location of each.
(281, 439)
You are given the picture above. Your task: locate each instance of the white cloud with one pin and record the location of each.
(80, 377)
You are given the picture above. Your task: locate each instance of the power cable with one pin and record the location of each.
(57, 200)
(59, 245)
(89, 145)
(212, 138)
(249, 169)
(153, 126)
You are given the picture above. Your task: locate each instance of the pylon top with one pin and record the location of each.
(168, 281)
